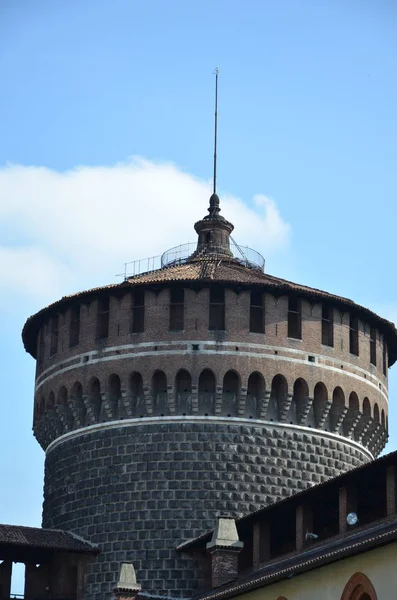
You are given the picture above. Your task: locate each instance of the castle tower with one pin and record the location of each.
(201, 388)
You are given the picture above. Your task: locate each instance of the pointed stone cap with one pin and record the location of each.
(225, 534)
(127, 579)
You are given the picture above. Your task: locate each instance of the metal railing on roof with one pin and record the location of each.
(181, 254)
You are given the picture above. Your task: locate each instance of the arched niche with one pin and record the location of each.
(255, 395)
(230, 394)
(78, 403)
(114, 395)
(51, 400)
(206, 393)
(138, 404)
(62, 397)
(159, 393)
(320, 400)
(352, 413)
(183, 390)
(95, 398)
(337, 407)
(299, 398)
(278, 397)
(366, 408)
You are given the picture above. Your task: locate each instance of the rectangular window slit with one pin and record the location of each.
(327, 325)
(353, 335)
(217, 309)
(103, 318)
(74, 327)
(372, 346)
(138, 311)
(257, 312)
(294, 318)
(177, 309)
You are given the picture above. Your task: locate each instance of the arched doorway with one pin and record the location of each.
(359, 587)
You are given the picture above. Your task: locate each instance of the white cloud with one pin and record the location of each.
(66, 231)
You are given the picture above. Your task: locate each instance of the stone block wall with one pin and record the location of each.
(140, 490)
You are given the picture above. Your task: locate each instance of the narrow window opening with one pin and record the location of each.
(217, 309)
(41, 347)
(103, 318)
(294, 318)
(257, 324)
(54, 335)
(372, 346)
(327, 326)
(74, 329)
(384, 357)
(177, 309)
(138, 311)
(353, 335)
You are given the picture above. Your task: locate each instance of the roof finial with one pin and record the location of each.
(216, 124)
(214, 200)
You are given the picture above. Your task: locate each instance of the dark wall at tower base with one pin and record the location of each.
(139, 489)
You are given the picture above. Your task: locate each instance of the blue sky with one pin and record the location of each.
(106, 116)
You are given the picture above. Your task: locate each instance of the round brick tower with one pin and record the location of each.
(203, 387)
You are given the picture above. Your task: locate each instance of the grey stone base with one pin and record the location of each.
(140, 491)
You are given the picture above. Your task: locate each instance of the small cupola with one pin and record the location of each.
(213, 232)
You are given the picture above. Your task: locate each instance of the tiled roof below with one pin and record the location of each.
(43, 539)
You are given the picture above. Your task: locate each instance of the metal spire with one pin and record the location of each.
(216, 124)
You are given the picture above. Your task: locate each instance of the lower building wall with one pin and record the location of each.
(329, 582)
(138, 489)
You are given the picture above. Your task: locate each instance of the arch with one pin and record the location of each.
(255, 394)
(383, 418)
(320, 404)
(51, 400)
(337, 408)
(80, 409)
(114, 395)
(350, 422)
(230, 393)
(206, 392)
(376, 413)
(94, 392)
(137, 395)
(354, 404)
(40, 407)
(359, 587)
(299, 399)
(278, 396)
(183, 390)
(159, 393)
(366, 407)
(62, 399)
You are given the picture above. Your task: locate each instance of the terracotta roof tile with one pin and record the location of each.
(49, 539)
(219, 269)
